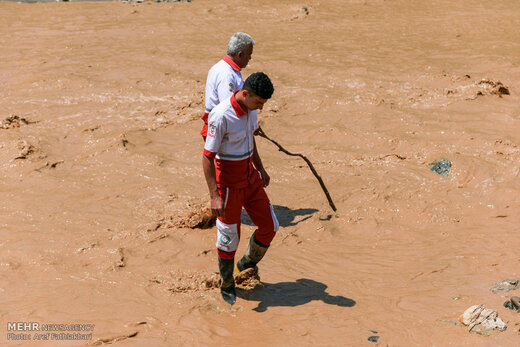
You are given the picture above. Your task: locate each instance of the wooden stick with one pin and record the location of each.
(261, 133)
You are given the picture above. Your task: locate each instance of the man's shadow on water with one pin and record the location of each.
(286, 217)
(291, 294)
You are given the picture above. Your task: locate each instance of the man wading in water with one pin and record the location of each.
(236, 178)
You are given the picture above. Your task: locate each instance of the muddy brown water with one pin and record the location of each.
(94, 183)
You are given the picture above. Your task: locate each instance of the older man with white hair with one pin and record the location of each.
(224, 78)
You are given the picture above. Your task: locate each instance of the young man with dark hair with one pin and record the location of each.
(236, 178)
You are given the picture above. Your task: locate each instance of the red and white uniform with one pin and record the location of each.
(230, 141)
(224, 78)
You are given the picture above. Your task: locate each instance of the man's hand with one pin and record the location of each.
(265, 177)
(217, 206)
(258, 164)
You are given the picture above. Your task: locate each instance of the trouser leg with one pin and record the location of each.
(262, 214)
(228, 227)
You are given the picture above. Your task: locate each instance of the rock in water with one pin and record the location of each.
(506, 285)
(441, 166)
(513, 304)
(482, 320)
(373, 338)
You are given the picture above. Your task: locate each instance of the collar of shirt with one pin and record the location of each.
(238, 109)
(231, 63)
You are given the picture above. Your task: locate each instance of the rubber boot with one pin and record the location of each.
(227, 284)
(254, 253)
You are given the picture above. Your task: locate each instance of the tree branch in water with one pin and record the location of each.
(261, 133)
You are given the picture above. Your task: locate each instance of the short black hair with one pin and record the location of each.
(259, 84)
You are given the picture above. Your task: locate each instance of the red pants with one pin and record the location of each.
(254, 199)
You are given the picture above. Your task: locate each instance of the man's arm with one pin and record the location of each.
(217, 205)
(259, 166)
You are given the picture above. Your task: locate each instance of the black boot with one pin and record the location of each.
(227, 284)
(254, 253)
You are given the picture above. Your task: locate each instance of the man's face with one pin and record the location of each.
(253, 102)
(245, 56)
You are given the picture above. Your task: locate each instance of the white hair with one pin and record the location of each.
(239, 42)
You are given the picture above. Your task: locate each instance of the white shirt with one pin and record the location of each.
(224, 78)
(230, 131)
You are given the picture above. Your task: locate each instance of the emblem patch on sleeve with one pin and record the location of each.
(231, 87)
(212, 130)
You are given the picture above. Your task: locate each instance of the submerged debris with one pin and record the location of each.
(481, 320)
(114, 339)
(506, 285)
(496, 88)
(13, 122)
(26, 150)
(48, 165)
(374, 338)
(302, 13)
(441, 166)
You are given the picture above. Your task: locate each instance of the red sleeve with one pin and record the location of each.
(209, 154)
